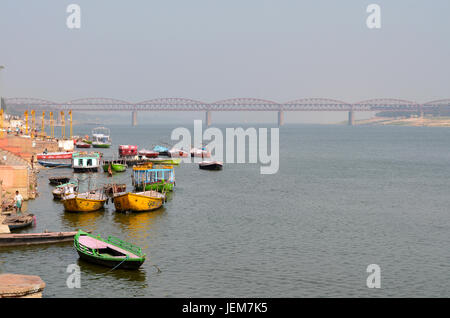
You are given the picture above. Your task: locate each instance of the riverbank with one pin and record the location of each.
(413, 122)
(18, 166)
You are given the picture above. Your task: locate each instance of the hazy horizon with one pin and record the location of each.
(214, 50)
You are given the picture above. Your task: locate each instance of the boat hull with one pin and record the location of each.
(115, 167)
(54, 155)
(25, 221)
(111, 252)
(136, 203)
(83, 205)
(95, 145)
(58, 180)
(35, 238)
(82, 170)
(212, 166)
(128, 264)
(50, 164)
(83, 145)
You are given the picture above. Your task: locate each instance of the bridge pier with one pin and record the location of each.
(351, 118)
(134, 118)
(208, 119)
(280, 118)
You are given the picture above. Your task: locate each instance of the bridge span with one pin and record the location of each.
(234, 104)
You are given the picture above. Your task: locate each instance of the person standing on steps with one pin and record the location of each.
(18, 199)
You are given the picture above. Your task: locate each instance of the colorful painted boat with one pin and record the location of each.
(211, 165)
(164, 161)
(161, 150)
(138, 202)
(84, 202)
(85, 162)
(148, 153)
(101, 137)
(153, 177)
(128, 150)
(81, 144)
(178, 153)
(110, 252)
(54, 155)
(201, 153)
(115, 166)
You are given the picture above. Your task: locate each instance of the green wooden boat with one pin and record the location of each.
(100, 145)
(110, 252)
(168, 161)
(117, 167)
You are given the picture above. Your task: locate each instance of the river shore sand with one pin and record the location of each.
(403, 121)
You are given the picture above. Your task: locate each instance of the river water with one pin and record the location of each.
(344, 198)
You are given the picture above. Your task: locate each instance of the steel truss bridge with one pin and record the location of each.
(234, 104)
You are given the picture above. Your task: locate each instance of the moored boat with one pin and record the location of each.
(54, 155)
(139, 201)
(101, 137)
(85, 162)
(15, 221)
(178, 153)
(110, 252)
(211, 165)
(148, 153)
(64, 189)
(81, 144)
(165, 161)
(161, 150)
(153, 177)
(58, 180)
(201, 153)
(55, 164)
(35, 238)
(110, 189)
(127, 150)
(116, 165)
(84, 202)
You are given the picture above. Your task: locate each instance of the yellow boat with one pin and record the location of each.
(84, 202)
(138, 202)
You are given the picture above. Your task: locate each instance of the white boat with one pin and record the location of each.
(101, 137)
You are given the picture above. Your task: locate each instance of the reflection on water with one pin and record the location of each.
(119, 274)
(87, 221)
(138, 226)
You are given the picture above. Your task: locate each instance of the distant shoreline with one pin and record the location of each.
(403, 121)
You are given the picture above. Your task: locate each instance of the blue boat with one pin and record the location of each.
(163, 151)
(55, 164)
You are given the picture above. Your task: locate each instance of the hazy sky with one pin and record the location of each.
(216, 49)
